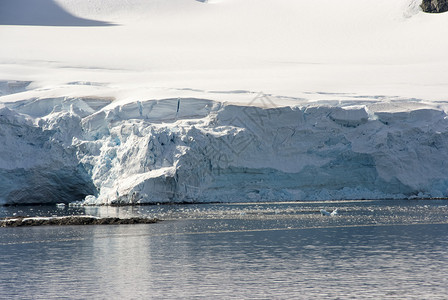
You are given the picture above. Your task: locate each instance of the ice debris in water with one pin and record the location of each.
(323, 212)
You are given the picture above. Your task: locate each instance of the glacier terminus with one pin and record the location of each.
(186, 101)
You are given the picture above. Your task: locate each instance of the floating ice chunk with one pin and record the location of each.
(323, 212)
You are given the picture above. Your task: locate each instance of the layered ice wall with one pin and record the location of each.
(36, 165)
(196, 150)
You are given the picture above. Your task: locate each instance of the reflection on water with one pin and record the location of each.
(376, 249)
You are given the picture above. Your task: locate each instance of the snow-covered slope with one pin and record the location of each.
(225, 100)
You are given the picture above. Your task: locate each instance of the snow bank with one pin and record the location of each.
(310, 50)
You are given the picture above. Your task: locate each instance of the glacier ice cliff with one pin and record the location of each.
(198, 150)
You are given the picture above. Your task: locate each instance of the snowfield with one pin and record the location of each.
(110, 101)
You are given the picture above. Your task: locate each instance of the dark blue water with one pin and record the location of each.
(372, 249)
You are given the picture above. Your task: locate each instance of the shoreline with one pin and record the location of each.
(72, 220)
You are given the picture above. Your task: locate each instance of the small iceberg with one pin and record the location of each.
(323, 212)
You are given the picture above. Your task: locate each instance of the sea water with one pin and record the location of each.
(371, 249)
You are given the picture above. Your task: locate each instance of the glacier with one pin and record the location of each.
(199, 150)
(105, 102)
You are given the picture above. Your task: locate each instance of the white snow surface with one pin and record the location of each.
(145, 101)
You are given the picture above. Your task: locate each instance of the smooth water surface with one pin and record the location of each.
(372, 249)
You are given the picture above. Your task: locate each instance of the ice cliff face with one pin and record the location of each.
(196, 150)
(36, 166)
